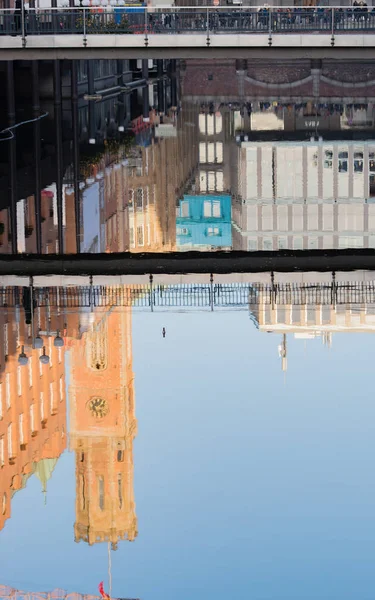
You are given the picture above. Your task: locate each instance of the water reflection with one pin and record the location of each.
(81, 399)
(102, 423)
(172, 155)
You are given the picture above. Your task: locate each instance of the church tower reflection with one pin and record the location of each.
(103, 427)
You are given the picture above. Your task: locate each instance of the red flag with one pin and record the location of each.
(102, 592)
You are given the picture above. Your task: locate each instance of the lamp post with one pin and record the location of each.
(38, 344)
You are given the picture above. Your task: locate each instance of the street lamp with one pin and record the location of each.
(58, 342)
(44, 358)
(38, 342)
(22, 358)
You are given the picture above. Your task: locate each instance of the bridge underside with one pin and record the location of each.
(282, 46)
(188, 262)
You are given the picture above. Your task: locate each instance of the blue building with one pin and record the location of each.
(204, 222)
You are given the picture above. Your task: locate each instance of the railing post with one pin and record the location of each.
(333, 26)
(91, 294)
(23, 32)
(270, 16)
(212, 292)
(84, 28)
(146, 26)
(333, 290)
(152, 293)
(208, 27)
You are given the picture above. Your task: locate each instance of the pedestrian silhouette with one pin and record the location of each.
(164, 332)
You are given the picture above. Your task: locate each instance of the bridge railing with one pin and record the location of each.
(183, 20)
(199, 296)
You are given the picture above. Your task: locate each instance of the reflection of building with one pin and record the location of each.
(310, 306)
(156, 181)
(32, 408)
(305, 195)
(301, 81)
(8, 593)
(102, 428)
(204, 222)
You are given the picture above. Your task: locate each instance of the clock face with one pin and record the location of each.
(98, 407)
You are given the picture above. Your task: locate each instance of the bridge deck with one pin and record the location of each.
(184, 32)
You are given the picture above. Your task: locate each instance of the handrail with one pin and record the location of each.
(119, 19)
(175, 9)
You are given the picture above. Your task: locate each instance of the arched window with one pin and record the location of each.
(101, 491)
(97, 348)
(119, 487)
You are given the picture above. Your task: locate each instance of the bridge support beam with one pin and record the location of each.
(126, 263)
(145, 92)
(77, 210)
(59, 152)
(12, 157)
(37, 157)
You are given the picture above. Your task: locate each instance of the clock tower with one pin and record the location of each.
(102, 429)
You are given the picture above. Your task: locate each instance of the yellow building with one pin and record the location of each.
(102, 430)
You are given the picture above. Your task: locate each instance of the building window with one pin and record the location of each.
(252, 244)
(183, 231)
(131, 200)
(52, 399)
(131, 237)
(119, 487)
(22, 433)
(297, 243)
(267, 218)
(211, 231)
(2, 455)
(7, 391)
(212, 209)
(207, 209)
(313, 217)
(10, 441)
(6, 345)
(60, 354)
(4, 504)
(41, 402)
(61, 388)
(101, 492)
(282, 218)
(19, 381)
(140, 199)
(32, 418)
(82, 492)
(267, 244)
(283, 243)
(184, 209)
(120, 456)
(140, 236)
(30, 373)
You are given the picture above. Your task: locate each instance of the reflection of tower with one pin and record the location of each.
(283, 354)
(103, 427)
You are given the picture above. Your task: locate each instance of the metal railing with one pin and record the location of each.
(199, 296)
(320, 294)
(211, 20)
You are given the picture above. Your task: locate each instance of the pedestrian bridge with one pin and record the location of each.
(84, 32)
